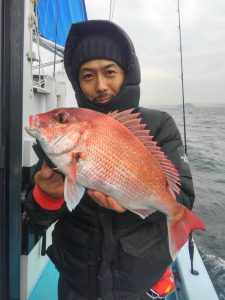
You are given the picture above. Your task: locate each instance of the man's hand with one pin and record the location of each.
(106, 201)
(50, 182)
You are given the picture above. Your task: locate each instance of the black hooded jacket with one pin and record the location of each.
(130, 93)
(101, 253)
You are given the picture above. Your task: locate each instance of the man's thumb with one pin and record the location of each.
(46, 171)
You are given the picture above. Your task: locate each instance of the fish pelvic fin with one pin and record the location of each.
(72, 193)
(132, 122)
(179, 229)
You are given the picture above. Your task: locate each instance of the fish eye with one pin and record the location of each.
(62, 118)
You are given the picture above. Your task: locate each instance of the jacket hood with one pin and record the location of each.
(129, 95)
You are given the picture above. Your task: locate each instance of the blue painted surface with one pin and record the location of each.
(46, 288)
(171, 296)
(56, 16)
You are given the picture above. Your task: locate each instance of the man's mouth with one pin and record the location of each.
(102, 99)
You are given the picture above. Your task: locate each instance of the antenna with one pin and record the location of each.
(111, 9)
(182, 78)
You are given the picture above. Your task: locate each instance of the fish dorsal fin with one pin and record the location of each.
(132, 122)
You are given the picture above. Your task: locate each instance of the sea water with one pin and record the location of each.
(205, 135)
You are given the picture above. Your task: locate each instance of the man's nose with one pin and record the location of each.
(101, 84)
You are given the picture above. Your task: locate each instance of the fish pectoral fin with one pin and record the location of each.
(72, 193)
(143, 213)
(72, 168)
(72, 171)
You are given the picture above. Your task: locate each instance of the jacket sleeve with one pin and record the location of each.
(36, 215)
(169, 140)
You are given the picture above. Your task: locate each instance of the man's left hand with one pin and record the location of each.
(106, 201)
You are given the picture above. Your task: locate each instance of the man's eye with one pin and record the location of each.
(110, 72)
(87, 76)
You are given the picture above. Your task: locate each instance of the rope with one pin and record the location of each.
(38, 47)
(56, 32)
(47, 64)
(83, 9)
(46, 16)
(33, 25)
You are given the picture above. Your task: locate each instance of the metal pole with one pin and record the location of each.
(11, 87)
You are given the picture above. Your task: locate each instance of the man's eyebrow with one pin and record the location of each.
(110, 65)
(86, 69)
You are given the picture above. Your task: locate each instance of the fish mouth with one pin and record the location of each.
(33, 128)
(32, 131)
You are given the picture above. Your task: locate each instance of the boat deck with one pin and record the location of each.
(46, 288)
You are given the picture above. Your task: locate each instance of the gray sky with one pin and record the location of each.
(153, 28)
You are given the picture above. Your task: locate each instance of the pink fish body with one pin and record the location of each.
(114, 154)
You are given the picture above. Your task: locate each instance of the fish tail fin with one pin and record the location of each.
(179, 229)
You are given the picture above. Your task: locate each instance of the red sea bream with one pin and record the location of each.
(114, 154)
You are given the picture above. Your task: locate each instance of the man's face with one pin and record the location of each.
(101, 80)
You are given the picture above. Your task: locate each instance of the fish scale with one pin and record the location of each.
(120, 168)
(111, 166)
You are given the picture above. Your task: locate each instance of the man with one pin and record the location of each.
(102, 250)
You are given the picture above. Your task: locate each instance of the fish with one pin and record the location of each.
(115, 154)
